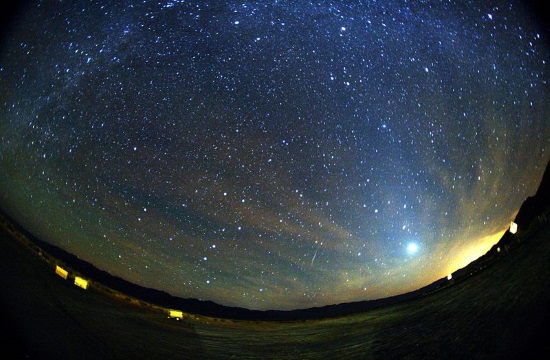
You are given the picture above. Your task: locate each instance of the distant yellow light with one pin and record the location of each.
(80, 282)
(176, 314)
(61, 272)
(513, 227)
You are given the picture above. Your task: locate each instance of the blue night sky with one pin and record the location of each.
(273, 154)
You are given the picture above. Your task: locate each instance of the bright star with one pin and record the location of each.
(412, 248)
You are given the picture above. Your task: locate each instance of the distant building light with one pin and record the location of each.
(498, 249)
(513, 227)
(176, 314)
(61, 272)
(80, 282)
(449, 277)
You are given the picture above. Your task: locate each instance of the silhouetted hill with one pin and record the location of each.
(535, 205)
(532, 208)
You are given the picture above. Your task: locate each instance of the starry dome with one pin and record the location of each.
(273, 154)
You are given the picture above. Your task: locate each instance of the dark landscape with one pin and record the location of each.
(497, 307)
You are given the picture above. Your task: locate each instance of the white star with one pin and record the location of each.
(412, 248)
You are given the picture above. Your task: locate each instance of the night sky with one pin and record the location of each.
(273, 154)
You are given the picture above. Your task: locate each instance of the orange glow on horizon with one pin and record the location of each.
(465, 255)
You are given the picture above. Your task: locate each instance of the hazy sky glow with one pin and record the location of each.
(270, 155)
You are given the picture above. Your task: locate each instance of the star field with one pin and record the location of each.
(273, 155)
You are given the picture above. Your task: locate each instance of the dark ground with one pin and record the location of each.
(501, 312)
